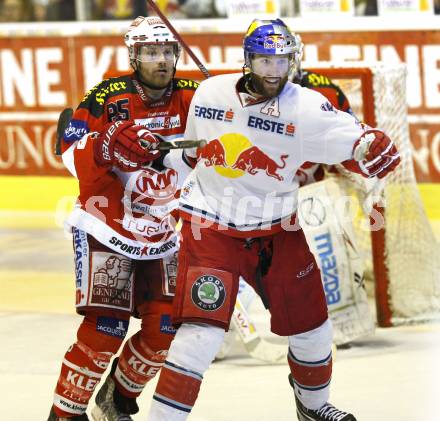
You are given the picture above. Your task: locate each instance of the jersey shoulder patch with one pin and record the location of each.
(315, 80)
(179, 83)
(107, 88)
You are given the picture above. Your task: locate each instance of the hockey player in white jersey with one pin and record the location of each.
(238, 208)
(242, 330)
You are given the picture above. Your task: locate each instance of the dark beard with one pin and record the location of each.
(151, 85)
(257, 85)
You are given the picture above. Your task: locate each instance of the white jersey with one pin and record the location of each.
(244, 180)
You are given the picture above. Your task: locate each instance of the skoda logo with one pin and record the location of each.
(208, 293)
(312, 211)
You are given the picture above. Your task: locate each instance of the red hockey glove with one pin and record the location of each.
(376, 154)
(126, 145)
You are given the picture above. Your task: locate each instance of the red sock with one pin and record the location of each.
(81, 371)
(82, 368)
(310, 375)
(137, 365)
(144, 353)
(178, 387)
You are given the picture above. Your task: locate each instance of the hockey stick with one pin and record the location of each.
(185, 46)
(180, 144)
(66, 115)
(63, 121)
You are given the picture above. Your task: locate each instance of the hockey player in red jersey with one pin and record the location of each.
(124, 238)
(238, 220)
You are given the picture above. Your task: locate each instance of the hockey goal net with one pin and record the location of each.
(401, 255)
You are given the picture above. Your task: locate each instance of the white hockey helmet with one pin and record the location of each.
(148, 30)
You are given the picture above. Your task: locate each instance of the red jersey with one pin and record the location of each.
(129, 212)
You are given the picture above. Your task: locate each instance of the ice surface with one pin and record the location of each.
(391, 376)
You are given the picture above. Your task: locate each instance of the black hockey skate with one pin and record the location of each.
(110, 404)
(53, 417)
(327, 412)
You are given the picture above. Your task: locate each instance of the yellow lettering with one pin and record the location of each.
(103, 92)
(89, 92)
(99, 98)
(317, 80)
(312, 79)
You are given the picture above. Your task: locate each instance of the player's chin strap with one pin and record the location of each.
(249, 85)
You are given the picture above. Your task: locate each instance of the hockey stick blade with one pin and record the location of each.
(63, 121)
(265, 351)
(256, 346)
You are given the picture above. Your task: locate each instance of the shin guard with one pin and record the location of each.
(83, 365)
(81, 371)
(178, 387)
(144, 353)
(137, 365)
(190, 355)
(310, 362)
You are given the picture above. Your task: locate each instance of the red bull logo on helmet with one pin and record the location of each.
(274, 41)
(233, 155)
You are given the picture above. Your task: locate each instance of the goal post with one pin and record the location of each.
(403, 254)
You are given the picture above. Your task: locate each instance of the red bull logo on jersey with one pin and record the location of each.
(253, 160)
(213, 154)
(233, 155)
